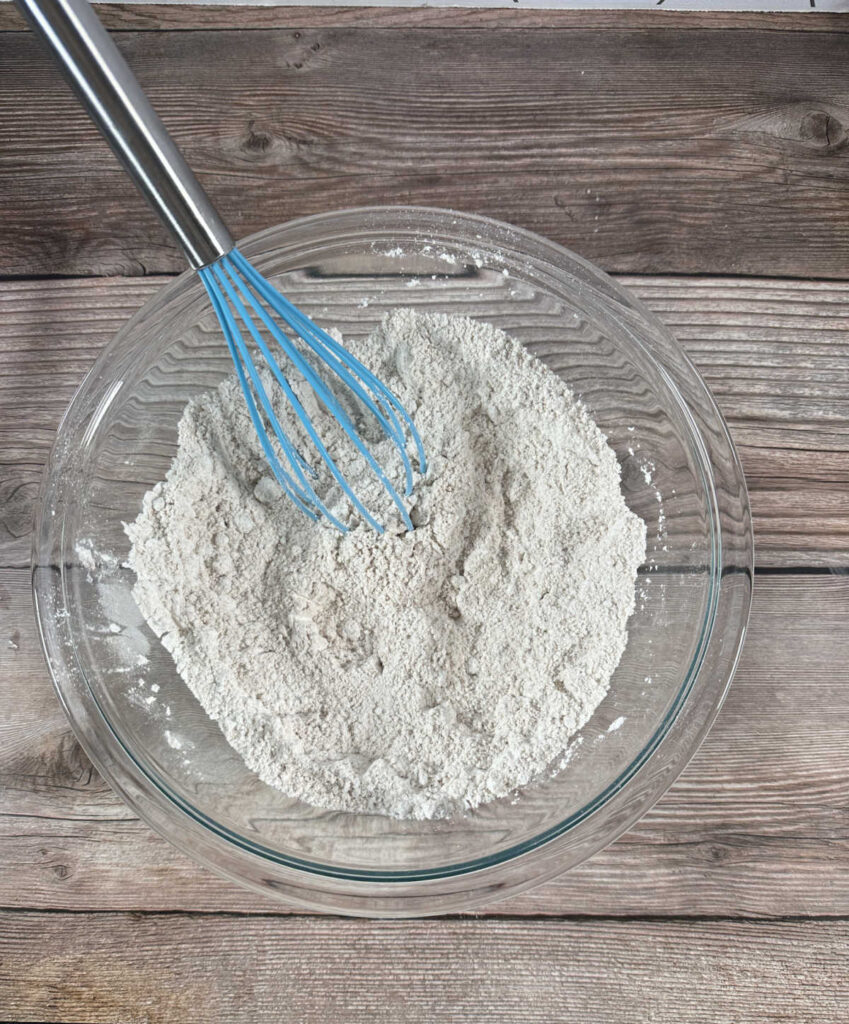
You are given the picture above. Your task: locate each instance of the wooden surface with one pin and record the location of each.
(177, 16)
(704, 152)
(714, 146)
(489, 972)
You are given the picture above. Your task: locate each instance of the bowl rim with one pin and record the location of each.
(85, 711)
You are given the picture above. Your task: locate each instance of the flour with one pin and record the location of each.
(415, 674)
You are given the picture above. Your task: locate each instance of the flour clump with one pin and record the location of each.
(419, 673)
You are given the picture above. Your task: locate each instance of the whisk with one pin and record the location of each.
(249, 308)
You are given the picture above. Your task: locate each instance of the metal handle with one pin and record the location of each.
(114, 99)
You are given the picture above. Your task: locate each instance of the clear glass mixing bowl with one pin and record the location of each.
(148, 736)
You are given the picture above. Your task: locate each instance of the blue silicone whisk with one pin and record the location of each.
(252, 313)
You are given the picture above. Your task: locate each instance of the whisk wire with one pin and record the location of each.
(297, 462)
(291, 397)
(243, 363)
(229, 327)
(376, 405)
(316, 339)
(239, 293)
(300, 322)
(332, 404)
(369, 379)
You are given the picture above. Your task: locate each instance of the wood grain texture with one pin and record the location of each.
(648, 150)
(161, 969)
(775, 353)
(651, 141)
(776, 356)
(758, 824)
(152, 17)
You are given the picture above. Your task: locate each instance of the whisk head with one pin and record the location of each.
(252, 313)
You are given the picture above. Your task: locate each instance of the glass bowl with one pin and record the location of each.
(146, 733)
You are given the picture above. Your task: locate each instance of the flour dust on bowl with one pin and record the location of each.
(150, 737)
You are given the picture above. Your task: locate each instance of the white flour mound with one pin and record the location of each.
(415, 674)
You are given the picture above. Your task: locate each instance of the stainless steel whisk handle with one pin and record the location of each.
(114, 99)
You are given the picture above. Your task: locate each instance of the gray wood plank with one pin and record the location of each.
(161, 969)
(756, 826)
(154, 17)
(775, 353)
(647, 149)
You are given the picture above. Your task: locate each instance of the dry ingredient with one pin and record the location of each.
(415, 674)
